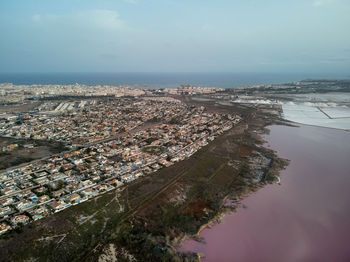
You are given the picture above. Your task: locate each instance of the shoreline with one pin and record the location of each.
(327, 127)
(292, 204)
(231, 210)
(333, 128)
(217, 172)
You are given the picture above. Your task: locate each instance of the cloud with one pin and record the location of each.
(336, 60)
(97, 18)
(320, 3)
(104, 19)
(208, 28)
(44, 18)
(109, 56)
(36, 18)
(130, 1)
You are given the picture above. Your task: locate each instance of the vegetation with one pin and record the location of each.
(148, 217)
(22, 155)
(157, 150)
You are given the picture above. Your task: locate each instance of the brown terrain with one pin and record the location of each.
(148, 218)
(21, 154)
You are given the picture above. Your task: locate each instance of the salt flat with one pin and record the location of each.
(334, 97)
(337, 112)
(308, 113)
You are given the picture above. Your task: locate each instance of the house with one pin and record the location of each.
(44, 198)
(59, 205)
(33, 197)
(127, 178)
(89, 192)
(24, 205)
(110, 187)
(9, 190)
(138, 174)
(58, 193)
(41, 174)
(115, 181)
(40, 190)
(5, 211)
(39, 213)
(74, 198)
(4, 227)
(101, 188)
(19, 219)
(7, 201)
(42, 180)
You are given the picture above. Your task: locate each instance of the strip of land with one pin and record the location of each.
(148, 217)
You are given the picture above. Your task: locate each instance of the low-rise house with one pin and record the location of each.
(40, 190)
(26, 193)
(86, 183)
(19, 219)
(44, 198)
(9, 190)
(74, 199)
(69, 172)
(72, 186)
(78, 161)
(89, 192)
(42, 180)
(156, 166)
(4, 228)
(138, 174)
(127, 178)
(147, 170)
(7, 201)
(9, 183)
(24, 204)
(39, 213)
(116, 182)
(58, 193)
(25, 184)
(96, 178)
(33, 197)
(41, 174)
(101, 188)
(6, 211)
(59, 205)
(58, 176)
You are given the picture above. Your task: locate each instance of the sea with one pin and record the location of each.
(157, 80)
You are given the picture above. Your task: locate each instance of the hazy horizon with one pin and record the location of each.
(303, 36)
(159, 80)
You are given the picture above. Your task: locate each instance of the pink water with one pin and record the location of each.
(306, 218)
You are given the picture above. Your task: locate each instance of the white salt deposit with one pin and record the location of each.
(308, 113)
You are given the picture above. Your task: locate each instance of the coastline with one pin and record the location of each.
(217, 172)
(297, 124)
(246, 227)
(235, 205)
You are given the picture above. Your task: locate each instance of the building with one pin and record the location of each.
(19, 219)
(4, 228)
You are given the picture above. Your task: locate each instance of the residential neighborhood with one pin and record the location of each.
(112, 143)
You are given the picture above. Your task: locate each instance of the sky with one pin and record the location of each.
(264, 36)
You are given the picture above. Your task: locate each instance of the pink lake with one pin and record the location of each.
(306, 218)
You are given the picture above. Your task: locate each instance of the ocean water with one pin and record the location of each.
(154, 80)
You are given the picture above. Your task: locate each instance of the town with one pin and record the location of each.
(110, 142)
